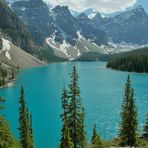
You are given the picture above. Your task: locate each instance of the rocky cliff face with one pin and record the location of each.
(129, 26)
(35, 14)
(11, 26)
(95, 35)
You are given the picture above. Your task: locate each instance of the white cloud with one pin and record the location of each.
(105, 6)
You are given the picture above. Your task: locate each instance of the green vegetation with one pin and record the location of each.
(128, 128)
(7, 140)
(73, 115)
(145, 131)
(25, 123)
(74, 136)
(3, 76)
(66, 140)
(96, 141)
(7, 74)
(135, 61)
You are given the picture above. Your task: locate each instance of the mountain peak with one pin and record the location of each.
(89, 11)
(98, 16)
(60, 8)
(83, 16)
(139, 7)
(136, 11)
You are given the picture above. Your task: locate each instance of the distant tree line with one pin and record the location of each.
(135, 61)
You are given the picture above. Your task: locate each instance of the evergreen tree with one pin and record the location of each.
(31, 131)
(145, 133)
(7, 139)
(94, 134)
(75, 119)
(128, 128)
(24, 123)
(96, 140)
(3, 76)
(82, 135)
(65, 137)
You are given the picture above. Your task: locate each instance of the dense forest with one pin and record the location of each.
(7, 74)
(73, 132)
(134, 61)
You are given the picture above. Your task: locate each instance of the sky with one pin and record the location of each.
(103, 6)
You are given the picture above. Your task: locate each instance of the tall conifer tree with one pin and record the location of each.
(66, 141)
(128, 128)
(24, 123)
(82, 133)
(73, 114)
(75, 118)
(145, 133)
(31, 131)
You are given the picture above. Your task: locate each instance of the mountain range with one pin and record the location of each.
(58, 33)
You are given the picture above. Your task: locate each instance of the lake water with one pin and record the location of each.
(102, 92)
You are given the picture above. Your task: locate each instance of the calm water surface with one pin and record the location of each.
(102, 92)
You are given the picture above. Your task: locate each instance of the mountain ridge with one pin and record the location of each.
(70, 36)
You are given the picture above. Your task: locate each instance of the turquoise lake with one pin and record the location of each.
(102, 93)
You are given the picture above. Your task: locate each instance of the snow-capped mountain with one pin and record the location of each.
(129, 26)
(70, 36)
(90, 12)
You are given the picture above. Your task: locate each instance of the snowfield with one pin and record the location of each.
(6, 48)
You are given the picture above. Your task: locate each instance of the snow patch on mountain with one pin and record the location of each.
(79, 53)
(51, 41)
(91, 16)
(64, 47)
(6, 48)
(6, 44)
(59, 47)
(23, 8)
(80, 36)
(7, 55)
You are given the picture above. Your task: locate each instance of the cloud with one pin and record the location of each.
(105, 6)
